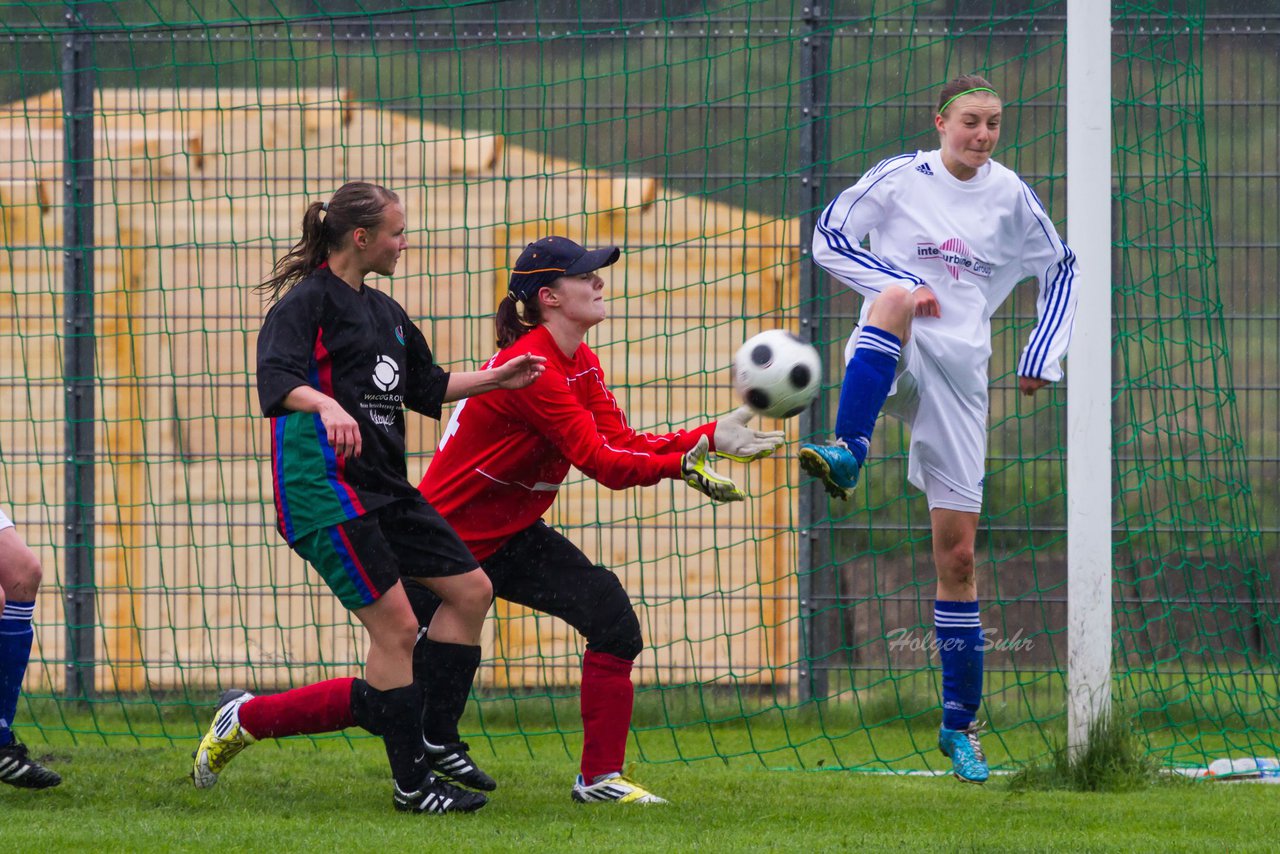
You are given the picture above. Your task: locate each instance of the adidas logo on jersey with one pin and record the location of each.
(924, 169)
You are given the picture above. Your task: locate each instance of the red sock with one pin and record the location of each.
(322, 707)
(607, 699)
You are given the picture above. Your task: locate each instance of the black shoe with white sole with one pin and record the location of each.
(17, 768)
(452, 762)
(438, 797)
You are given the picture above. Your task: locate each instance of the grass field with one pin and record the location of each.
(893, 728)
(302, 795)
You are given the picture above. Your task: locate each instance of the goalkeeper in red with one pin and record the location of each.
(951, 233)
(503, 457)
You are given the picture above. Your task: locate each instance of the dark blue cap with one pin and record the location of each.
(545, 260)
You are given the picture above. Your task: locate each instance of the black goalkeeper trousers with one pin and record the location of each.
(540, 569)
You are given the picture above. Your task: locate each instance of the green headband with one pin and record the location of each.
(967, 92)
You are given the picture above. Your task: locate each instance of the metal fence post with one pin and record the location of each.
(812, 677)
(78, 351)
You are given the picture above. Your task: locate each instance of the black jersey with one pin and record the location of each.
(361, 349)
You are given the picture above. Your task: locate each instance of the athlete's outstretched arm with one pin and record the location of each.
(615, 455)
(516, 373)
(729, 437)
(611, 422)
(551, 408)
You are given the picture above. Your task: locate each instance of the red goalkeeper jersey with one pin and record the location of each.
(504, 454)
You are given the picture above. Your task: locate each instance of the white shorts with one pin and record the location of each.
(948, 426)
(5, 521)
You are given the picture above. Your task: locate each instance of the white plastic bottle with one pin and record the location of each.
(1266, 767)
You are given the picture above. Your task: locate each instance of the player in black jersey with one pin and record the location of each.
(338, 362)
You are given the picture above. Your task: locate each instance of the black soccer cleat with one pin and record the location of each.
(17, 768)
(452, 762)
(438, 797)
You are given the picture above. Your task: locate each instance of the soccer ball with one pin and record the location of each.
(777, 374)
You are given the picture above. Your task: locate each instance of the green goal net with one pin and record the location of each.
(154, 161)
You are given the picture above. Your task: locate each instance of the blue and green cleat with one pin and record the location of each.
(834, 465)
(968, 762)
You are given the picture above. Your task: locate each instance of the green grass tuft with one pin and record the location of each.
(1113, 759)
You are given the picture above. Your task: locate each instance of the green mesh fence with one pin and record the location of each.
(1195, 642)
(697, 136)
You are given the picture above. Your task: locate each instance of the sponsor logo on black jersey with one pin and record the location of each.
(385, 409)
(386, 373)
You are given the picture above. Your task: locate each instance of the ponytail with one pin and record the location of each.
(325, 226)
(511, 323)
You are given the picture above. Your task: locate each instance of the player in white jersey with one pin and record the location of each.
(951, 233)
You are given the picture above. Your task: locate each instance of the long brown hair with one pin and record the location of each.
(511, 322)
(963, 83)
(324, 226)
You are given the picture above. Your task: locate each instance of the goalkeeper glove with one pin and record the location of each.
(738, 442)
(699, 475)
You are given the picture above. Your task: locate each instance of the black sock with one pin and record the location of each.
(363, 706)
(445, 671)
(394, 715)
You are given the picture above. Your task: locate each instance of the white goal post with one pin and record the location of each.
(1089, 490)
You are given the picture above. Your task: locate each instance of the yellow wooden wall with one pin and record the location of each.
(198, 192)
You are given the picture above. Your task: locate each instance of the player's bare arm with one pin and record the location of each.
(517, 373)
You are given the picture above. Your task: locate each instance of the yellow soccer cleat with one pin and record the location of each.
(223, 741)
(613, 788)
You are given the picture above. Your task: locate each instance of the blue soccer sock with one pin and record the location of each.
(16, 635)
(867, 380)
(960, 643)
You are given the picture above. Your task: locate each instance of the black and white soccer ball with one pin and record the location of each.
(777, 374)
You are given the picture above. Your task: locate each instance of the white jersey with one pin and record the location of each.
(970, 241)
